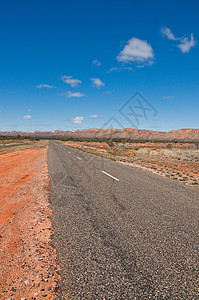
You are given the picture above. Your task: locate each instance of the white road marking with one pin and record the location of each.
(78, 157)
(110, 175)
(68, 151)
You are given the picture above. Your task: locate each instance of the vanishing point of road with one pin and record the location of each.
(120, 232)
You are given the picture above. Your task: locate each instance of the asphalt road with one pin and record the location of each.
(120, 232)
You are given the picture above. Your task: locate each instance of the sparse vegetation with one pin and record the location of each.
(18, 143)
(169, 146)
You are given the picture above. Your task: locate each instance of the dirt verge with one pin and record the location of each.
(28, 268)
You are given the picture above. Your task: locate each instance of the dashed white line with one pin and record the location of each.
(110, 175)
(78, 157)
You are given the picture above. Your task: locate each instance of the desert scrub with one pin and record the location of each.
(194, 183)
(169, 146)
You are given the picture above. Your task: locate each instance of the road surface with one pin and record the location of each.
(120, 232)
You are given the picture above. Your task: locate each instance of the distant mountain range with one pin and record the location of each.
(186, 135)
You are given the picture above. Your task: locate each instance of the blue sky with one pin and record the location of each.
(68, 65)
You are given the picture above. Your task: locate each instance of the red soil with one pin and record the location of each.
(28, 268)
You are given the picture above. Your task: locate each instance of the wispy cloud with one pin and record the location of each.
(77, 120)
(108, 92)
(27, 117)
(137, 51)
(94, 116)
(97, 82)
(113, 69)
(168, 97)
(187, 44)
(70, 80)
(121, 68)
(77, 94)
(128, 68)
(184, 43)
(45, 86)
(71, 94)
(96, 62)
(165, 31)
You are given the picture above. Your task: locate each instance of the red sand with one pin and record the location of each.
(28, 268)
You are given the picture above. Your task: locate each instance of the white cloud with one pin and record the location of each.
(71, 94)
(127, 68)
(184, 43)
(77, 94)
(94, 116)
(136, 50)
(96, 62)
(168, 97)
(165, 31)
(27, 117)
(113, 69)
(46, 86)
(77, 120)
(97, 82)
(187, 44)
(71, 81)
(29, 109)
(108, 92)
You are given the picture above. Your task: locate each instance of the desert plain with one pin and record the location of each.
(28, 260)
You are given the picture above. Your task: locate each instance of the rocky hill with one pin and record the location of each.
(186, 135)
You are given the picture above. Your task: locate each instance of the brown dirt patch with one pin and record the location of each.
(28, 268)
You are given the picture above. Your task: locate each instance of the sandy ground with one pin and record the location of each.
(28, 268)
